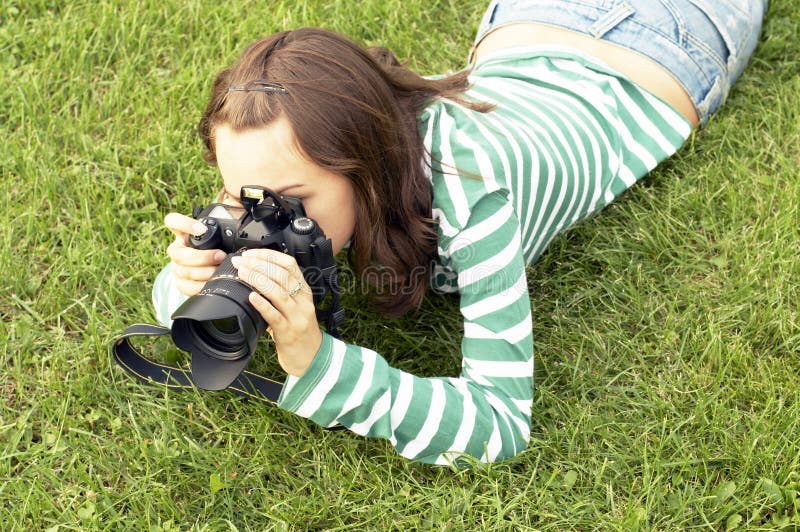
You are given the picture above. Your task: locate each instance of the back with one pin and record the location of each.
(566, 137)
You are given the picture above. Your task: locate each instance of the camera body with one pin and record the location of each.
(266, 220)
(218, 326)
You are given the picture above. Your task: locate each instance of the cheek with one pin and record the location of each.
(335, 220)
(319, 214)
(329, 221)
(343, 217)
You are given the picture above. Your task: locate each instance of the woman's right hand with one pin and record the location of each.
(190, 267)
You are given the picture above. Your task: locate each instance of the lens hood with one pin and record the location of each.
(216, 362)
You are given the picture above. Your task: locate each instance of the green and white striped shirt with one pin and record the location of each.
(566, 137)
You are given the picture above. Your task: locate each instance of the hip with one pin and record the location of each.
(689, 52)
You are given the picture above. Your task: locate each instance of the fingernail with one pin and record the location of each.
(219, 256)
(198, 228)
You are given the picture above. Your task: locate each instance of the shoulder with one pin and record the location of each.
(461, 160)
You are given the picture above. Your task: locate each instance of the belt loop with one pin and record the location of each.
(611, 19)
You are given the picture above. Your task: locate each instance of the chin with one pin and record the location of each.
(338, 247)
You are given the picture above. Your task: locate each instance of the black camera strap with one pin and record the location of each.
(322, 256)
(247, 384)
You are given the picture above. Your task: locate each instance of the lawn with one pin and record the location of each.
(666, 330)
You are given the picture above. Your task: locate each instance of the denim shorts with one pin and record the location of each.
(704, 44)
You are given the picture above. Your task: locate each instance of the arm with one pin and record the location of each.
(166, 296)
(485, 412)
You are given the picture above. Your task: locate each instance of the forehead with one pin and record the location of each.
(264, 156)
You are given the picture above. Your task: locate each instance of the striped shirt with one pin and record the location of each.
(567, 135)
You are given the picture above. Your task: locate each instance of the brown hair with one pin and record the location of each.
(353, 111)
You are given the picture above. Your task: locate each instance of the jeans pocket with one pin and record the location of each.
(729, 21)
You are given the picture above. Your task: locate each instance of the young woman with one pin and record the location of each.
(455, 183)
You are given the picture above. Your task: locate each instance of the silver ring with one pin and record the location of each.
(295, 290)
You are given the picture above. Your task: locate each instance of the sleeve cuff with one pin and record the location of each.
(166, 297)
(297, 389)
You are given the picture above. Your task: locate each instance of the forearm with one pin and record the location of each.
(432, 420)
(166, 296)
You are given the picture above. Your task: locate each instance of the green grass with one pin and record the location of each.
(666, 330)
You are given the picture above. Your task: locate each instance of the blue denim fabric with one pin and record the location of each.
(705, 44)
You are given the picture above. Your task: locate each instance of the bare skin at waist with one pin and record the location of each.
(640, 69)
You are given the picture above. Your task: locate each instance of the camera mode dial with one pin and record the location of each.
(303, 226)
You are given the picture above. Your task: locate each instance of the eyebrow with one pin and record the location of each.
(278, 192)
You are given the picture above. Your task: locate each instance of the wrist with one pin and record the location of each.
(299, 364)
(296, 389)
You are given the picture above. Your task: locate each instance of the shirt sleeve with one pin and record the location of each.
(166, 296)
(485, 412)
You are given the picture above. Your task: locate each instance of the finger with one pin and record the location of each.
(276, 272)
(282, 268)
(182, 225)
(193, 273)
(268, 311)
(188, 288)
(267, 287)
(291, 286)
(186, 256)
(284, 260)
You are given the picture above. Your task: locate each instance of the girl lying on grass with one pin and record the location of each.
(454, 183)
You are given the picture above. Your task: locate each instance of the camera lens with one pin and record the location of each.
(221, 335)
(219, 328)
(226, 326)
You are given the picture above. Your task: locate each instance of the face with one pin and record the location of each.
(268, 157)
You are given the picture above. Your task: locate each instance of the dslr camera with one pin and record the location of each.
(218, 326)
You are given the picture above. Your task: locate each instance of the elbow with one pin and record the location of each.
(509, 437)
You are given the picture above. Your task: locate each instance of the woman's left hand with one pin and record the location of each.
(283, 298)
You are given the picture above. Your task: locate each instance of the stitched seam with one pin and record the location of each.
(714, 56)
(682, 33)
